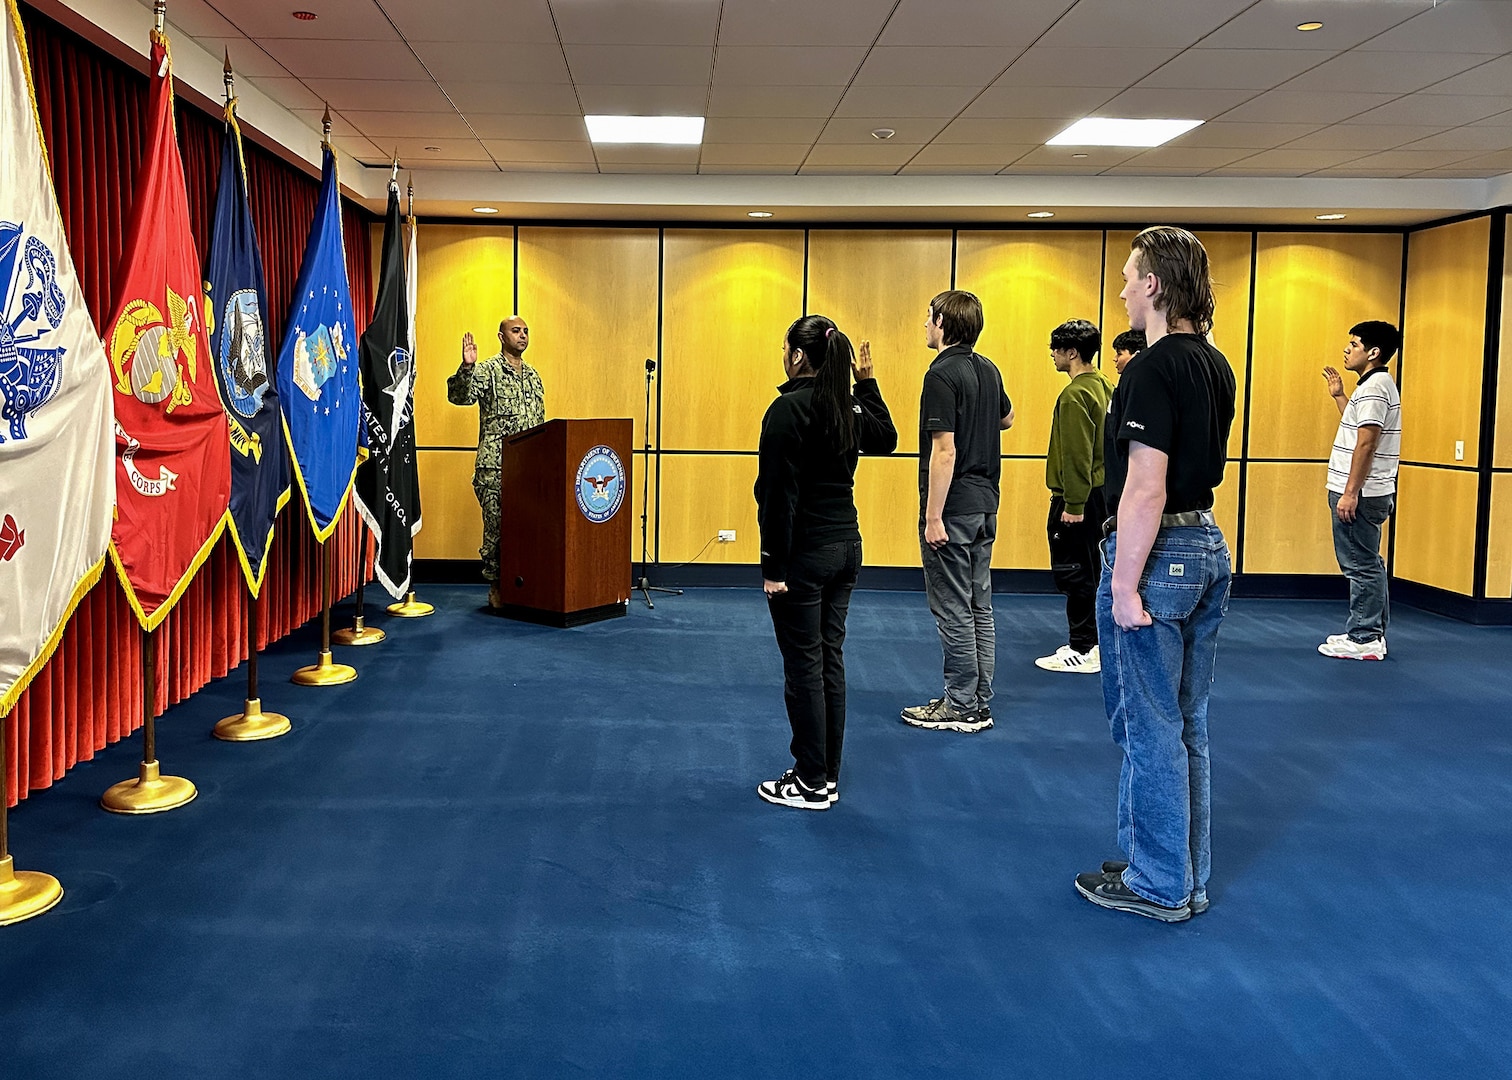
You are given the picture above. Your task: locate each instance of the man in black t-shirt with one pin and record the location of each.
(1165, 581)
(962, 413)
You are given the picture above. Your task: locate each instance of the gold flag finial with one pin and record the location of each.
(411, 193)
(229, 77)
(159, 12)
(394, 171)
(325, 125)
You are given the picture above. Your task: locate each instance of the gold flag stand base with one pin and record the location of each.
(411, 608)
(324, 673)
(360, 633)
(253, 724)
(149, 793)
(25, 893)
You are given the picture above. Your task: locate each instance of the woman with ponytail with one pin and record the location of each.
(810, 541)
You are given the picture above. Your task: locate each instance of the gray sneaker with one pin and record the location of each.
(943, 715)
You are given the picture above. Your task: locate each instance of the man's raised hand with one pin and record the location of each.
(1335, 382)
(469, 350)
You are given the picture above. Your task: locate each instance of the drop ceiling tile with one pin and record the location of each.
(1232, 69)
(547, 166)
(848, 170)
(339, 20)
(999, 129)
(802, 22)
(247, 60)
(637, 22)
(370, 95)
(1363, 137)
(796, 65)
(1501, 161)
(1446, 110)
(1373, 73)
(295, 95)
(1471, 137)
(1152, 103)
(643, 100)
(631, 65)
(354, 146)
(390, 61)
(383, 127)
(1503, 119)
(759, 129)
(878, 153)
(1118, 23)
(1094, 158)
(508, 23)
(1493, 77)
(666, 168)
(1116, 68)
(1483, 26)
(1224, 133)
(529, 99)
(413, 155)
(1349, 172)
(646, 155)
(1061, 102)
(1296, 106)
(747, 170)
(1272, 24)
(1133, 168)
(1191, 158)
(1454, 172)
(789, 154)
(198, 19)
(946, 155)
(531, 128)
(1413, 160)
(854, 129)
(1300, 160)
(1021, 169)
(933, 65)
(901, 101)
(1242, 169)
(487, 62)
(514, 151)
(915, 169)
(791, 101)
(1010, 26)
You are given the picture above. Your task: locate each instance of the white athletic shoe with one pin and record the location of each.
(1354, 650)
(1066, 658)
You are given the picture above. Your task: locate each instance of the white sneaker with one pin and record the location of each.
(1066, 658)
(1354, 650)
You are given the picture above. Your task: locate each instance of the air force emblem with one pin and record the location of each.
(600, 484)
(31, 309)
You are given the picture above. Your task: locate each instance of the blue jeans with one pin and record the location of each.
(1156, 681)
(1357, 546)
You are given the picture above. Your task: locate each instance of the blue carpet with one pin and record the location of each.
(511, 851)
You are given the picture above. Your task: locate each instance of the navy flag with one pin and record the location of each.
(317, 373)
(388, 487)
(235, 299)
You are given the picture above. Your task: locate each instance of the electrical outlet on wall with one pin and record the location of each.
(726, 536)
(1459, 450)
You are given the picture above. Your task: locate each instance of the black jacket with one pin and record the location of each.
(805, 487)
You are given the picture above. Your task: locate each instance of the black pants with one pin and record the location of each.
(1076, 564)
(810, 622)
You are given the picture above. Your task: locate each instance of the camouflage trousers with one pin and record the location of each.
(486, 487)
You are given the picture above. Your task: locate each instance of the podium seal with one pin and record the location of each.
(600, 484)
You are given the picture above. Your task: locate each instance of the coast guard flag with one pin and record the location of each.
(235, 299)
(173, 460)
(317, 367)
(57, 461)
(387, 485)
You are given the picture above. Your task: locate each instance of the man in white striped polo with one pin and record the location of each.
(1362, 471)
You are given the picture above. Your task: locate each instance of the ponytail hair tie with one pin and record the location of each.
(828, 332)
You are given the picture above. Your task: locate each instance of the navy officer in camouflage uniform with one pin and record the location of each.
(510, 398)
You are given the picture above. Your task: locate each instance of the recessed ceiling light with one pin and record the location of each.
(1332, 217)
(759, 213)
(883, 133)
(306, 16)
(485, 210)
(434, 149)
(1115, 131)
(1078, 155)
(1041, 214)
(665, 130)
(1305, 26)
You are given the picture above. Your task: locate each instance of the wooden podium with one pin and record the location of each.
(564, 538)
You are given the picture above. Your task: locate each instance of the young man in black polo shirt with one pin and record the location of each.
(1165, 582)
(962, 413)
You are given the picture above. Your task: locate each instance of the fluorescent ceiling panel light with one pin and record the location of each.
(1112, 131)
(1331, 217)
(485, 210)
(1041, 214)
(662, 130)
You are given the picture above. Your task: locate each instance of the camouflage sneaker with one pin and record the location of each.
(941, 714)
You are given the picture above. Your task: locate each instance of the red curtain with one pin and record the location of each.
(90, 693)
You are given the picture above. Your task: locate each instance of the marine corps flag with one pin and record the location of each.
(173, 460)
(317, 375)
(388, 489)
(57, 460)
(235, 299)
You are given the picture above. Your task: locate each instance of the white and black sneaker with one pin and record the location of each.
(1343, 647)
(1066, 658)
(789, 790)
(832, 789)
(941, 714)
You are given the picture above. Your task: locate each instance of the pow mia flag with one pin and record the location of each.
(388, 489)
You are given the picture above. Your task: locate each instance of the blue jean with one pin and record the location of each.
(1357, 546)
(1156, 680)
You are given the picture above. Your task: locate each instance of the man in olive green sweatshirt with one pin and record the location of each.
(1074, 475)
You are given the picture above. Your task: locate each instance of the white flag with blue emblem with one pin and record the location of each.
(57, 454)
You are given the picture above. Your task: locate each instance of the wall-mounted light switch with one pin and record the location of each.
(1459, 450)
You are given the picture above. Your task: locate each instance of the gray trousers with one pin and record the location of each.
(958, 582)
(1357, 546)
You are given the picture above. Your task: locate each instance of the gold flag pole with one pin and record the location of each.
(409, 607)
(323, 672)
(151, 792)
(360, 633)
(23, 893)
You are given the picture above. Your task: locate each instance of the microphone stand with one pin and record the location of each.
(644, 586)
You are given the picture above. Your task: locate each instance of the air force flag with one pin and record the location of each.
(317, 367)
(235, 300)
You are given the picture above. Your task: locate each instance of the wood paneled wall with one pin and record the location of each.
(712, 305)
